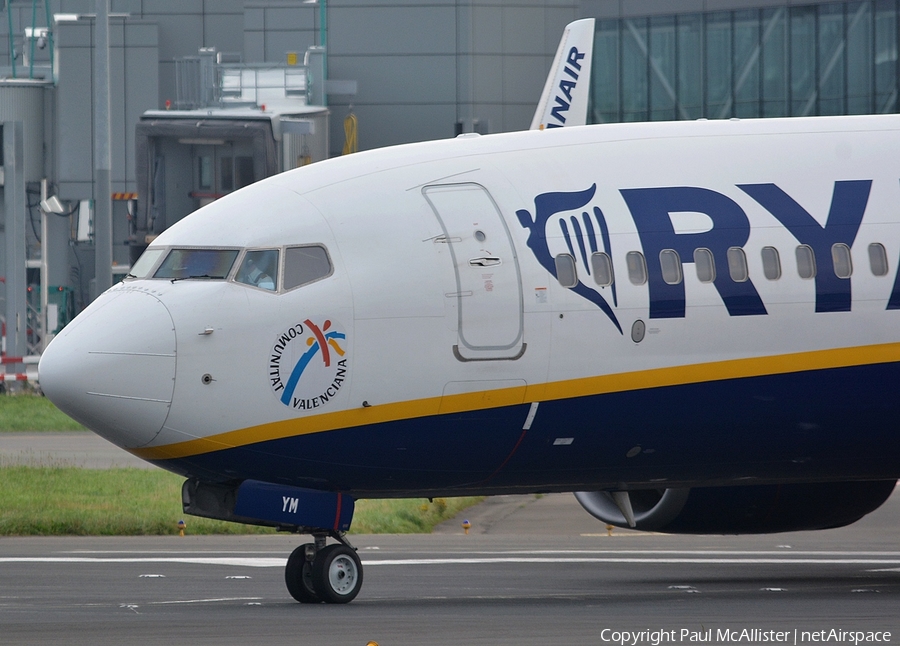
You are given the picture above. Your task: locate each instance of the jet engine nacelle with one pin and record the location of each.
(756, 509)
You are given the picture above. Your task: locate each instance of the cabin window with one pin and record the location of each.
(771, 263)
(637, 267)
(705, 264)
(601, 265)
(878, 260)
(806, 262)
(197, 263)
(145, 263)
(840, 258)
(259, 269)
(737, 265)
(670, 264)
(565, 270)
(303, 265)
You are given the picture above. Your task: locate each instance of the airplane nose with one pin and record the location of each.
(113, 367)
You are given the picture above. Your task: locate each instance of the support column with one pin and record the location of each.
(47, 326)
(15, 219)
(465, 70)
(102, 164)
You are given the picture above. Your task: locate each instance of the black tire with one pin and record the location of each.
(298, 576)
(337, 574)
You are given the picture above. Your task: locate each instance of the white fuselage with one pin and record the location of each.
(458, 344)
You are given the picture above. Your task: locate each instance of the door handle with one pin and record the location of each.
(484, 262)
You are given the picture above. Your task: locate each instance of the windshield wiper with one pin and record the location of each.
(177, 278)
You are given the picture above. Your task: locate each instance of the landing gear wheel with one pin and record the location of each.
(298, 576)
(337, 574)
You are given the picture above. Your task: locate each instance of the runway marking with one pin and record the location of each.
(735, 553)
(244, 552)
(662, 557)
(245, 562)
(732, 553)
(667, 561)
(625, 535)
(220, 600)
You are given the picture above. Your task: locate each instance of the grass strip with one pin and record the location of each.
(32, 413)
(406, 515)
(68, 501)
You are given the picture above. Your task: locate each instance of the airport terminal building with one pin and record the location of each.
(206, 96)
(744, 59)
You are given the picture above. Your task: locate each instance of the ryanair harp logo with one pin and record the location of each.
(308, 364)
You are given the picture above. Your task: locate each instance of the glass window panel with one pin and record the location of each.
(634, 70)
(878, 260)
(859, 58)
(637, 267)
(885, 56)
(226, 174)
(662, 68)
(737, 264)
(259, 269)
(303, 265)
(806, 262)
(145, 263)
(830, 95)
(204, 172)
(705, 264)
(826, 58)
(565, 270)
(197, 263)
(774, 62)
(605, 72)
(803, 60)
(718, 65)
(746, 63)
(670, 264)
(243, 171)
(771, 263)
(840, 258)
(601, 265)
(690, 66)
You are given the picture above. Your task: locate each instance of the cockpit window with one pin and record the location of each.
(197, 263)
(303, 265)
(145, 263)
(259, 269)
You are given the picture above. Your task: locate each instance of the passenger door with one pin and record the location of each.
(488, 286)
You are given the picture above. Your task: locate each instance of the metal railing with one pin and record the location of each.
(205, 81)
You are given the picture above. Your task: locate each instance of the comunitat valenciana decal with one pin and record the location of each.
(308, 364)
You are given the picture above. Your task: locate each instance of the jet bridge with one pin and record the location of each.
(232, 125)
(189, 158)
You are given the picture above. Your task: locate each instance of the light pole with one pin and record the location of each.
(323, 42)
(102, 163)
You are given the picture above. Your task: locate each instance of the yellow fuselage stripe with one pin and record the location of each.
(599, 385)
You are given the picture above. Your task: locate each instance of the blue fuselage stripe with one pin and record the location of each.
(833, 424)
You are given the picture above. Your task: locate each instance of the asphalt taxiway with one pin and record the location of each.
(533, 570)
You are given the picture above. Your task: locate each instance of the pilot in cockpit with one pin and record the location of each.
(259, 269)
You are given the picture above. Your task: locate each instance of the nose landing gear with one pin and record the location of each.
(316, 572)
